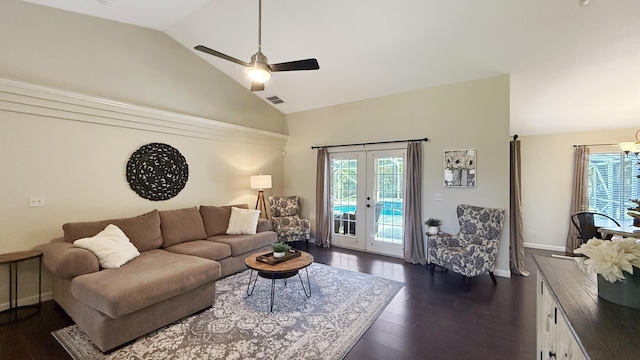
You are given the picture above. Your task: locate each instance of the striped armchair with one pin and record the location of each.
(473, 250)
(286, 221)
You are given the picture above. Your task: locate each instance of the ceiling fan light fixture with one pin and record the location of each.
(259, 70)
(258, 74)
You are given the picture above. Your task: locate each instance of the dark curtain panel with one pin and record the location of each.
(580, 195)
(516, 245)
(323, 201)
(413, 240)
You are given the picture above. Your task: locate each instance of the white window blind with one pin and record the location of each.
(613, 182)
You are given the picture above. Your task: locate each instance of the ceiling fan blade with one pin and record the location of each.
(256, 86)
(307, 64)
(220, 55)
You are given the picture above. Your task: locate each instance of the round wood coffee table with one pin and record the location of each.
(283, 270)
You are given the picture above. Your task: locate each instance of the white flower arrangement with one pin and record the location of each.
(609, 258)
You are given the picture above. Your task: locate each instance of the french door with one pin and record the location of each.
(367, 190)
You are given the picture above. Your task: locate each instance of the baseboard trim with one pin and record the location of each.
(31, 300)
(544, 247)
(502, 273)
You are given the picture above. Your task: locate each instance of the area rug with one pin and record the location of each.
(342, 306)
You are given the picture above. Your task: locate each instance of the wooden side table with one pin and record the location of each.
(12, 259)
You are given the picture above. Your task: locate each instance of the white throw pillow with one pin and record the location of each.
(243, 221)
(111, 246)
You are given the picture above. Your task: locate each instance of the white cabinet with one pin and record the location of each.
(574, 323)
(554, 337)
(566, 345)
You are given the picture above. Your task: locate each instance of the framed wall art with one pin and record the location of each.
(460, 168)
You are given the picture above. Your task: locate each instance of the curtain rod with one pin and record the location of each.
(368, 143)
(595, 145)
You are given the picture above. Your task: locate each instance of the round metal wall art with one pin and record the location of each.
(157, 171)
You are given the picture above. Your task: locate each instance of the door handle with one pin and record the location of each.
(368, 198)
(368, 205)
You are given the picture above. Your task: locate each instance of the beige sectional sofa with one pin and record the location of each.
(182, 254)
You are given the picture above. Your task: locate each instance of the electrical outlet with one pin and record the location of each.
(438, 197)
(534, 234)
(36, 201)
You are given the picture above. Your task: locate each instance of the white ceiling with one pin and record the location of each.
(572, 68)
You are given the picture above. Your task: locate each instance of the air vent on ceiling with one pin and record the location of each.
(275, 100)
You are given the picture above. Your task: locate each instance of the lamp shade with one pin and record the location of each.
(261, 181)
(630, 146)
(627, 146)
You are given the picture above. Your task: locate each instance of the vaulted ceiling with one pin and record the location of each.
(572, 67)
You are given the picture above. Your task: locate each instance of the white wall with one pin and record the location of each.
(472, 114)
(547, 180)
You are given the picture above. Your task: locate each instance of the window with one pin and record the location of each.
(613, 182)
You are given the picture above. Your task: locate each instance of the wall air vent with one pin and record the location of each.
(275, 100)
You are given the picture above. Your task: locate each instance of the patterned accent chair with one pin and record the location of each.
(473, 250)
(287, 223)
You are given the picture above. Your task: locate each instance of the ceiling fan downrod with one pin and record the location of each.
(259, 26)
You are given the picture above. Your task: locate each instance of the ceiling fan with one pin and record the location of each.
(259, 70)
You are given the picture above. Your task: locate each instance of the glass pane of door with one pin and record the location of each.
(386, 169)
(346, 192)
(388, 181)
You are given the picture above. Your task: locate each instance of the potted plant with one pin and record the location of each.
(279, 249)
(433, 226)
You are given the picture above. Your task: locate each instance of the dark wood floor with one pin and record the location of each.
(430, 318)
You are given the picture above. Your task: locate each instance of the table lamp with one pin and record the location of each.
(261, 182)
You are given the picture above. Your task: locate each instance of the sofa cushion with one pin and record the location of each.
(241, 244)
(216, 218)
(181, 225)
(203, 248)
(154, 276)
(143, 230)
(243, 221)
(111, 246)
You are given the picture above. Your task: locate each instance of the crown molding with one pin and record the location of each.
(25, 98)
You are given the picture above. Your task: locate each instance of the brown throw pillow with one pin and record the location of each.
(143, 230)
(181, 225)
(216, 218)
